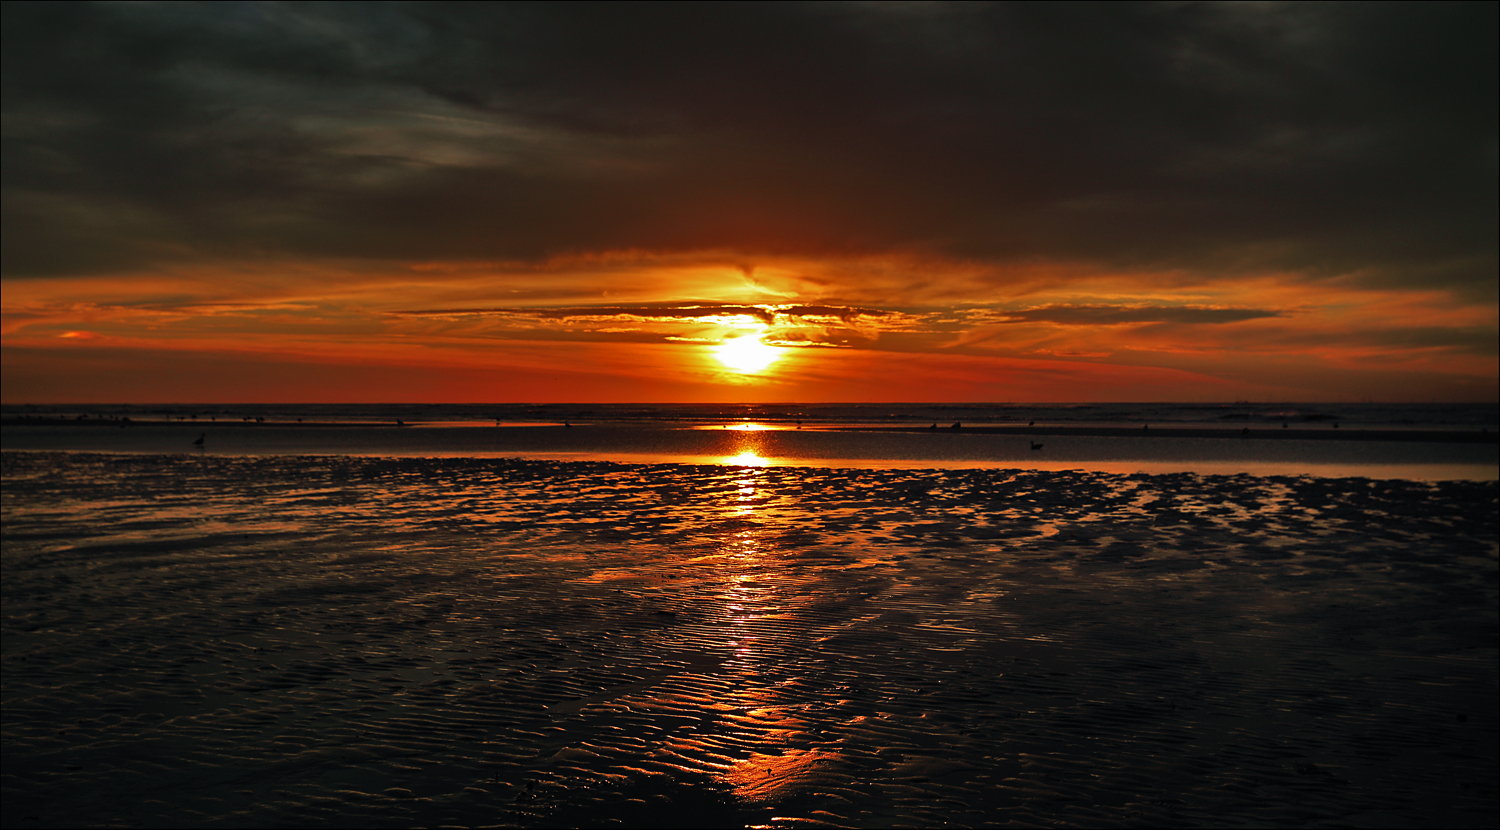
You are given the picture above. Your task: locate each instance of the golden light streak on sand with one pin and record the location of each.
(765, 777)
(756, 623)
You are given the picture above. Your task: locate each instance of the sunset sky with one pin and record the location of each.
(352, 202)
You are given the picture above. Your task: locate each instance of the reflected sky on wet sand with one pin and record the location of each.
(784, 444)
(531, 643)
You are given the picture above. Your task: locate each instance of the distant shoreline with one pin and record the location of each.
(1466, 436)
(1325, 434)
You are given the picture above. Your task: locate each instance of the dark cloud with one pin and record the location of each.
(684, 323)
(655, 311)
(1097, 315)
(767, 315)
(1326, 139)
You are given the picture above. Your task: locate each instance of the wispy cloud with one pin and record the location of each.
(1101, 315)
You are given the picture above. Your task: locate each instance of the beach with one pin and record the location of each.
(792, 415)
(262, 640)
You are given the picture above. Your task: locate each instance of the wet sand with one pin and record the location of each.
(222, 641)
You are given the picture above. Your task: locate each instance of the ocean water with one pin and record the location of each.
(1422, 442)
(1236, 415)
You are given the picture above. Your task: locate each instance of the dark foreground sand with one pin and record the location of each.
(286, 641)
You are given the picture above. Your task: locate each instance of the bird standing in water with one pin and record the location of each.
(199, 442)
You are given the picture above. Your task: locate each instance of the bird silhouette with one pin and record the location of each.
(1035, 445)
(199, 442)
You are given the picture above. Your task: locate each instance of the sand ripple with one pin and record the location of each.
(257, 641)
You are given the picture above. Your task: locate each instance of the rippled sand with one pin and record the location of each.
(350, 641)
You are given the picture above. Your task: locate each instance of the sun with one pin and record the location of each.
(747, 355)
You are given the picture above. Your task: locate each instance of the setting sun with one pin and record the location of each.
(746, 354)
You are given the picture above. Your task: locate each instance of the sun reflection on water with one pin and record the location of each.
(746, 458)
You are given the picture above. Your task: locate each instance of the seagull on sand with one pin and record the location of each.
(1035, 445)
(199, 442)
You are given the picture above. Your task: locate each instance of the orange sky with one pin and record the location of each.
(388, 204)
(208, 336)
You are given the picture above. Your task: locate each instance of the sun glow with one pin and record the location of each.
(747, 355)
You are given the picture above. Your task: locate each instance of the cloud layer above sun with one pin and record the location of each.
(911, 201)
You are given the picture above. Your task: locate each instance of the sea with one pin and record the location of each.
(1410, 441)
(1261, 615)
